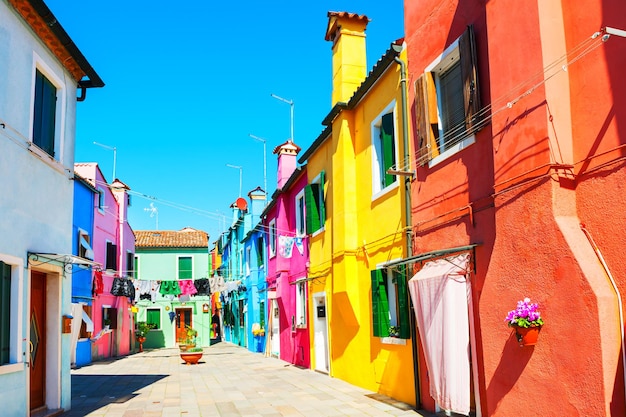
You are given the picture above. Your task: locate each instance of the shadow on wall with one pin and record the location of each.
(154, 340)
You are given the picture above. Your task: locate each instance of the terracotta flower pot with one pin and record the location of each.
(141, 340)
(191, 358)
(527, 336)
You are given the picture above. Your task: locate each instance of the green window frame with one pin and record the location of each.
(314, 202)
(153, 318)
(44, 117)
(5, 313)
(185, 267)
(382, 302)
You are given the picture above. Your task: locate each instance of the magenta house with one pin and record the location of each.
(113, 244)
(288, 255)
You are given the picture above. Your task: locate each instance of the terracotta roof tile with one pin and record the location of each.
(185, 238)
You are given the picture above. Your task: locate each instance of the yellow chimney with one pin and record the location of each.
(347, 33)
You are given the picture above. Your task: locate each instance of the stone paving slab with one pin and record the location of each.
(229, 381)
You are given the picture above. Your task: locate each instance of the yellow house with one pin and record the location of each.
(357, 207)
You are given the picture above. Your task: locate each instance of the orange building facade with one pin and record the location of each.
(519, 114)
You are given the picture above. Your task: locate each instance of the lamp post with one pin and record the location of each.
(290, 102)
(258, 139)
(240, 168)
(111, 148)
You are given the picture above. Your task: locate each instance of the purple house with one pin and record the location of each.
(288, 255)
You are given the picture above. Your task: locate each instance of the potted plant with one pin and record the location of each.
(394, 331)
(191, 356)
(141, 333)
(189, 341)
(527, 322)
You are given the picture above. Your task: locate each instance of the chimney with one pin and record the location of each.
(347, 33)
(287, 153)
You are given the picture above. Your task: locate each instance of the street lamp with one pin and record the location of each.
(290, 102)
(240, 168)
(258, 139)
(111, 148)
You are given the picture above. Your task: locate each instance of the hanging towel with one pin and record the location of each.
(202, 286)
(285, 246)
(187, 287)
(300, 245)
(98, 283)
(169, 288)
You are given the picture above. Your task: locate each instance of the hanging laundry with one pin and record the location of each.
(187, 287)
(123, 287)
(285, 246)
(202, 286)
(183, 298)
(169, 288)
(300, 244)
(98, 283)
(146, 290)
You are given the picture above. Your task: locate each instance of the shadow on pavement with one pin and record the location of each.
(91, 392)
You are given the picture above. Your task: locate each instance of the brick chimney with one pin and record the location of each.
(287, 153)
(347, 33)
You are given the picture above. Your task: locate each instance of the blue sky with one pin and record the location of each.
(186, 83)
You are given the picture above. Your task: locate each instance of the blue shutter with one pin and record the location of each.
(5, 312)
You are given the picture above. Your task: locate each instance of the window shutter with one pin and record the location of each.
(389, 152)
(421, 115)
(111, 260)
(322, 205)
(153, 317)
(259, 251)
(380, 304)
(403, 303)
(130, 264)
(471, 96)
(262, 314)
(312, 211)
(184, 267)
(5, 312)
(44, 114)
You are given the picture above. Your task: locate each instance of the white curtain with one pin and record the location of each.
(441, 295)
(77, 320)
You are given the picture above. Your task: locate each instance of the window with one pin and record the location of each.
(301, 304)
(84, 245)
(136, 266)
(185, 268)
(260, 251)
(248, 256)
(272, 232)
(447, 101)
(153, 318)
(109, 317)
(390, 303)
(130, 264)
(384, 151)
(314, 202)
(101, 200)
(111, 257)
(300, 213)
(44, 114)
(262, 314)
(86, 325)
(5, 313)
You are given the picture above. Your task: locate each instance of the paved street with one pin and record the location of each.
(229, 381)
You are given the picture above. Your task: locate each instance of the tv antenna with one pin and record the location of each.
(154, 212)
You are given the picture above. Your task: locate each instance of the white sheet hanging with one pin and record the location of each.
(440, 294)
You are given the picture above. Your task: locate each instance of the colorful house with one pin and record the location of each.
(284, 219)
(519, 132)
(172, 286)
(113, 246)
(82, 278)
(42, 76)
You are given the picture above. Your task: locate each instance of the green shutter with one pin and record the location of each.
(380, 304)
(184, 267)
(388, 146)
(262, 314)
(5, 312)
(403, 303)
(320, 202)
(312, 210)
(259, 252)
(153, 317)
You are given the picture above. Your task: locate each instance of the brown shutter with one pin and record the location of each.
(421, 115)
(467, 51)
(432, 113)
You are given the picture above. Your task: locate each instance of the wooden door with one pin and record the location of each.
(183, 318)
(37, 340)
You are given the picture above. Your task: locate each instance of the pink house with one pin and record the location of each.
(113, 243)
(288, 255)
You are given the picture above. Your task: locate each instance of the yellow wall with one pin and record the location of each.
(359, 234)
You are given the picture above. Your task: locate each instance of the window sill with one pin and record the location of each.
(452, 151)
(47, 159)
(11, 368)
(392, 341)
(317, 232)
(380, 193)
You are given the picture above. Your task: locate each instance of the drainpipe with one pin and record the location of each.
(407, 214)
(596, 249)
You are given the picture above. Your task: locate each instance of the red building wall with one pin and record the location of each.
(550, 158)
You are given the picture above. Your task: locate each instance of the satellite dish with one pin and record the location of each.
(241, 204)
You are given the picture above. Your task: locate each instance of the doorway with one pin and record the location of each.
(275, 335)
(183, 319)
(37, 343)
(320, 328)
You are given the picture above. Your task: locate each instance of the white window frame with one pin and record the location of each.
(450, 56)
(84, 245)
(248, 256)
(301, 297)
(377, 151)
(271, 231)
(56, 161)
(300, 209)
(16, 349)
